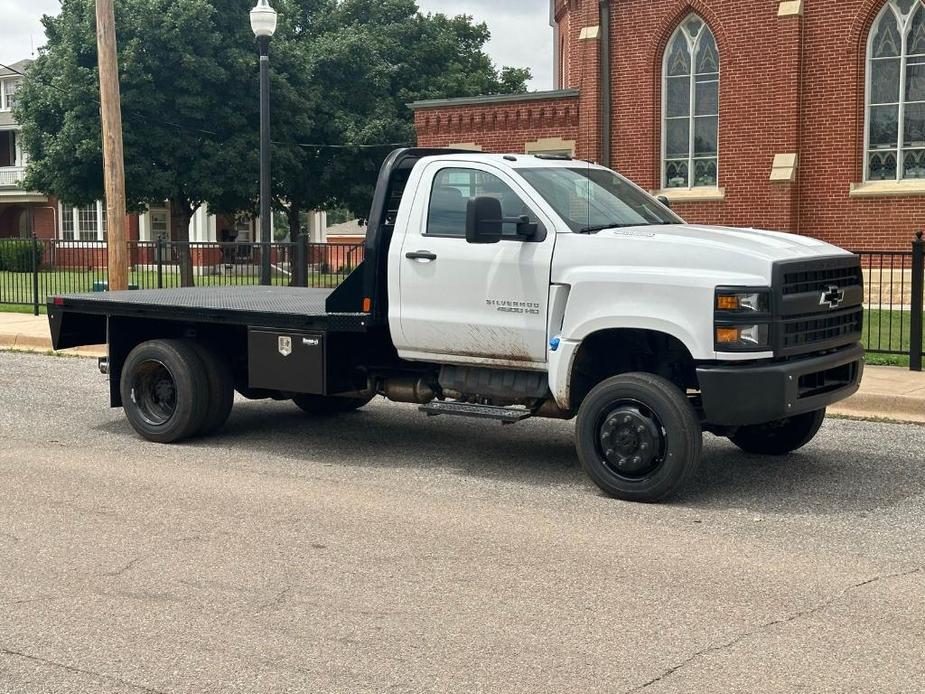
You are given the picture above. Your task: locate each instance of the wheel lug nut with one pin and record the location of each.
(643, 446)
(627, 419)
(637, 460)
(640, 429)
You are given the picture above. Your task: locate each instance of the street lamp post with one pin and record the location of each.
(263, 22)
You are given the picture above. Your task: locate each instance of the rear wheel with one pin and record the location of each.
(780, 437)
(327, 405)
(221, 389)
(638, 437)
(165, 390)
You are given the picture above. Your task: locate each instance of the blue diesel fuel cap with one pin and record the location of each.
(554, 343)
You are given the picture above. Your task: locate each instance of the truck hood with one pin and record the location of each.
(756, 243)
(691, 254)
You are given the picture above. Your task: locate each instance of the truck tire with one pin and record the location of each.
(781, 437)
(221, 389)
(321, 405)
(165, 390)
(638, 437)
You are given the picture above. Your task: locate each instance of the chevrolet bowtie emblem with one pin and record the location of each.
(832, 297)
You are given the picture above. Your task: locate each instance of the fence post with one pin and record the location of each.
(918, 298)
(159, 260)
(301, 259)
(35, 276)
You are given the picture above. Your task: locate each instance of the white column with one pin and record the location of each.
(317, 226)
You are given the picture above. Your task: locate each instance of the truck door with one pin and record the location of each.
(468, 302)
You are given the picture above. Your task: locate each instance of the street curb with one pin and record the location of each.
(894, 408)
(42, 345)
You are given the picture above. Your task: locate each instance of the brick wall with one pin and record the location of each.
(789, 85)
(503, 127)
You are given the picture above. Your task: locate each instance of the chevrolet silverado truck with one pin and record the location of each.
(506, 287)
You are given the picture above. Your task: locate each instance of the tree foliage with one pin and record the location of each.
(342, 74)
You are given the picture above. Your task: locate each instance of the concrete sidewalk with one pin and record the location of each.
(27, 332)
(887, 392)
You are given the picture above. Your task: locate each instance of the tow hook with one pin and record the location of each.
(103, 364)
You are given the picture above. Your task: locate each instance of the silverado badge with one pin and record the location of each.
(833, 297)
(285, 345)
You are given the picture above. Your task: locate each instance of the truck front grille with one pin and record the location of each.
(806, 318)
(802, 331)
(820, 279)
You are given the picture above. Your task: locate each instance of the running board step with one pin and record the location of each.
(505, 415)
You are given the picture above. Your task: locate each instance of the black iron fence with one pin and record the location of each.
(31, 271)
(893, 301)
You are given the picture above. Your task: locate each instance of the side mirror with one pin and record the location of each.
(664, 200)
(483, 220)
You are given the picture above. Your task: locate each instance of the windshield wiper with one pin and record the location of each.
(601, 227)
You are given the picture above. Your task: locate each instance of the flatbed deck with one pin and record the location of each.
(257, 306)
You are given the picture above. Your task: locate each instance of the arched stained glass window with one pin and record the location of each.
(690, 98)
(896, 93)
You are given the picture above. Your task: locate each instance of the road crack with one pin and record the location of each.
(769, 625)
(127, 567)
(80, 671)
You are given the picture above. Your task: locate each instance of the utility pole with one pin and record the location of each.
(113, 161)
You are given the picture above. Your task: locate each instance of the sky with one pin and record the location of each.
(521, 36)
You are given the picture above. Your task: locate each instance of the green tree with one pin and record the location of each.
(362, 62)
(342, 73)
(188, 79)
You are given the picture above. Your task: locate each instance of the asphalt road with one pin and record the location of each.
(383, 551)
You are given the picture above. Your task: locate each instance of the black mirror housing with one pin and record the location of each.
(664, 200)
(483, 220)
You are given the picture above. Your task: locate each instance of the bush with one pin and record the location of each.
(16, 255)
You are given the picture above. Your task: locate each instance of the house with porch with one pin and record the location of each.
(22, 212)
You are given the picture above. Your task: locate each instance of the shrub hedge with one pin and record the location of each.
(16, 255)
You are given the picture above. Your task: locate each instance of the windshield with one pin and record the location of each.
(591, 199)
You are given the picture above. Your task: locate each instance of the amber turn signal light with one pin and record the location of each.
(727, 302)
(727, 335)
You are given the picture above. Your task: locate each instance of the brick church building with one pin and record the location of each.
(796, 115)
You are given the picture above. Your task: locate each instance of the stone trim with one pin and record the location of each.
(549, 144)
(590, 33)
(495, 99)
(784, 168)
(790, 8)
(887, 189)
(692, 194)
(468, 146)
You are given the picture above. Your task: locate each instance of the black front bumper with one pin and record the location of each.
(735, 395)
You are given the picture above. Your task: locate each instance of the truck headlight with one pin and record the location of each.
(742, 301)
(742, 336)
(743, 319)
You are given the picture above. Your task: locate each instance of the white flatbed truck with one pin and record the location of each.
(507, 287)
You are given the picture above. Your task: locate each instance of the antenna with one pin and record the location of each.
(31, 46)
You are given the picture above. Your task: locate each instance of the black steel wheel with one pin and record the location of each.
(164, 390)
(322, 405)
(638, 437)
(781, 437)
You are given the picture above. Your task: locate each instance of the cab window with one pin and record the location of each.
(452, 190)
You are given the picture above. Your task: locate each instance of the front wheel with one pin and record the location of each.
(638, 438)
(781, 437)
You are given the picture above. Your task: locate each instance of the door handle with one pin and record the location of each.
(421, 255)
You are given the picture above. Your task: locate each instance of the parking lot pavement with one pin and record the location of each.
(383, 551)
